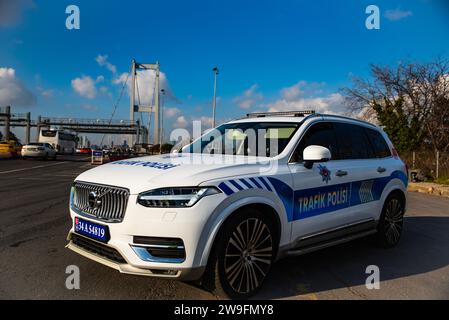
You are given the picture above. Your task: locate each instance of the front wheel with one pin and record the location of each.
(391, 221)
(244, 254)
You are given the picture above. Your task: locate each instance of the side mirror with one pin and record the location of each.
(313, 154)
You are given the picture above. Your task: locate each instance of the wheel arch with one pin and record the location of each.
(219, 219)
(400, 193)
(395, 187)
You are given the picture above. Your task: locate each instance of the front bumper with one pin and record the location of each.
(186, 224)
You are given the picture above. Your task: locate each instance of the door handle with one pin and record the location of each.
(381, 170)
(341, 173)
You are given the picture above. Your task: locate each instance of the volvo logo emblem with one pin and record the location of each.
(94, 200)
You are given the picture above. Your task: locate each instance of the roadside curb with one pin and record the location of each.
(429, 188)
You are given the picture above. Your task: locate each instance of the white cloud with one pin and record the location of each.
(249, 98)
(85, 87)
(308, 96)
(171, 112)
(102, 60)
(89, 107)
(180, 122)
(332, 103)
(12, 91)
(293, 92)
(206, 122)
(48, 93)
(397, 14)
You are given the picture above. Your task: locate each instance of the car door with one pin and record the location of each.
(356, 150)
(382, 170)
(322, 193)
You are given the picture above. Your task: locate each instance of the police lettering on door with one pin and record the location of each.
(311, 202)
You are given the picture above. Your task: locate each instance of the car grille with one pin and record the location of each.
(112, 201)
(97, 248)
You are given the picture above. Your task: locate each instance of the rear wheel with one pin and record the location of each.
(243, 255)
(391, 221)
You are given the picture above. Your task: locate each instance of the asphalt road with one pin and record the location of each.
(34, 222)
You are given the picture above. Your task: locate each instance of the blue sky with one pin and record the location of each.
(272, 55)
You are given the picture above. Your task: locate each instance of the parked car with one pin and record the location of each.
(40, 150)
(10, 149)
(84, 151)
(281, 184)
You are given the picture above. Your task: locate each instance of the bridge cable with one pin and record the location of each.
(116, 105)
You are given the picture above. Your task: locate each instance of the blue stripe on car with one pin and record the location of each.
(224, 187)
(246, 183)
(235, 184)
(265, 183)
(256, 183)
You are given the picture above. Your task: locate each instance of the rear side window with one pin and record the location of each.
(378, 143)
(320, 134)
(352, 142)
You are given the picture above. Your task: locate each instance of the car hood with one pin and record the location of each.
(146, 173)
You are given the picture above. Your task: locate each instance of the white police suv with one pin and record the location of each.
(243, 195)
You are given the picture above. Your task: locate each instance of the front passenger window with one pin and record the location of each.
(320, 134)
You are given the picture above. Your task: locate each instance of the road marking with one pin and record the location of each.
(36, 167)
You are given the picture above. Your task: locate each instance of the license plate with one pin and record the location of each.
(92, 230)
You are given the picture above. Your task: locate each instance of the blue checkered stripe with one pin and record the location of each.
(232, 186)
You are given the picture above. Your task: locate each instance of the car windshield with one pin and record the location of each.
(265, 139)
(36, 144)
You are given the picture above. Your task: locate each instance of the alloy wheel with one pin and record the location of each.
(394, 218)
(248, 255)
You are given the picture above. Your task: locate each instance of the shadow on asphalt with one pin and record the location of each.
(424, 247)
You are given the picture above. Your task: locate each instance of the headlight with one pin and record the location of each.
(174, 197)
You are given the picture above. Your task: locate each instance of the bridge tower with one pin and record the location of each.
(136, 108)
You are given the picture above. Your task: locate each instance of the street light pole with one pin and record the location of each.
(162, 117)
(214, 103)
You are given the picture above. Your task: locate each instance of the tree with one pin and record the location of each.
(406, 134)
(411, 100)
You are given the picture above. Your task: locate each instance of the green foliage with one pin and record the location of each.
(444, 181)
(404, 130)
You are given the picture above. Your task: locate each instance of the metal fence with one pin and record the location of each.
(431, 165)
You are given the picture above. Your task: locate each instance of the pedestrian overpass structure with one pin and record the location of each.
(100, 126)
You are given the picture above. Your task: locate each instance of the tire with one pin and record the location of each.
(45, 157)
(391, 222)
(242, 256)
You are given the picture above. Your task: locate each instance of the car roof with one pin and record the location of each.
(293, 117)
